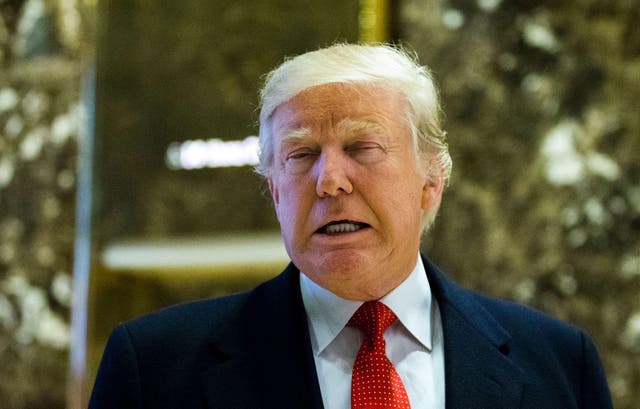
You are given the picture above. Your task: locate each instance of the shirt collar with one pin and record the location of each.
(328, 313)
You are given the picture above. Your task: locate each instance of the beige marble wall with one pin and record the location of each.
(43, 49)
(541, 104)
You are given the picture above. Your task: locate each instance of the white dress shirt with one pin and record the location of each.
(413, 343)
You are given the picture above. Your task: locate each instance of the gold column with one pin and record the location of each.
(374, 21)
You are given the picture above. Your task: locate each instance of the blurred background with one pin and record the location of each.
(126, 144)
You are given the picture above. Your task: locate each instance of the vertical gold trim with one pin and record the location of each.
(374, 21)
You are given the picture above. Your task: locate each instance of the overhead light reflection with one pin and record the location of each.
(212, 153)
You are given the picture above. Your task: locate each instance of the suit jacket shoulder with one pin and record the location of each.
(518, 356)
(149, 357)
(235, 352)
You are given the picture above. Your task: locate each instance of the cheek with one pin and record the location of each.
(404, 188)
(289, 206)
(406, 202)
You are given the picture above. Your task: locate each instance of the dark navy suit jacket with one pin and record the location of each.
(252, 350)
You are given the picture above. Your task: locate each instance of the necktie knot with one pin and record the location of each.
(372, 318)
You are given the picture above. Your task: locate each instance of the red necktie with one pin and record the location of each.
(375, 384)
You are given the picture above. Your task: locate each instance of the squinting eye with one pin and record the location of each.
(363, 147)
(299, 155)
(366, 152)
(299, 161)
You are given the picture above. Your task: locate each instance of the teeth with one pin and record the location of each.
(342, 228)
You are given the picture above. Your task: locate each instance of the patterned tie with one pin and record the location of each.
(375, 384)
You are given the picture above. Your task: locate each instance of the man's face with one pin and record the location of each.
(347, 188)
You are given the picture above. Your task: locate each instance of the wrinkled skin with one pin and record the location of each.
(347, 188)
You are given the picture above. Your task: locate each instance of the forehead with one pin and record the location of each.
(334, 102)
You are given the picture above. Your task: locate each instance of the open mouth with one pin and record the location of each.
(341, 226)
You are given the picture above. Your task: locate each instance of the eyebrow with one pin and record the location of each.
(346, 125)
(295, 135)
(351, 125)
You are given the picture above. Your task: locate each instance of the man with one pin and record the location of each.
(356, 162)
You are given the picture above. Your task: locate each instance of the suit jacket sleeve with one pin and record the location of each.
(595, 392)
(118, 382)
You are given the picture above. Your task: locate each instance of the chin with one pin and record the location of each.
(348, 275)
(340, 262)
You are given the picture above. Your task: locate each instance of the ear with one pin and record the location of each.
(432, 190)
(274, 191)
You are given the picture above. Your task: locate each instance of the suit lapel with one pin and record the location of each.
(265, 356)
(478, 371)
(230, 381)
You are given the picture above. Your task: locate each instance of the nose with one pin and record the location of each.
(332, 174)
